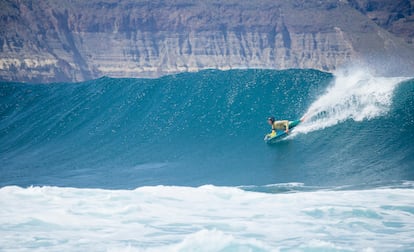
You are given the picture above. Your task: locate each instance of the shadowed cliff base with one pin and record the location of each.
(51, 41)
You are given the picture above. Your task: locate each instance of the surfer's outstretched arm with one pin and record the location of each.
(287, 126)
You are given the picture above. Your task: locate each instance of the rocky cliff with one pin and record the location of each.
(395, 16)
(52, 40)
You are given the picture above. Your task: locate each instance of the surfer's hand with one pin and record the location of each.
(287, 131)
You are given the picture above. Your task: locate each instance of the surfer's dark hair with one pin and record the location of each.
(272, 119)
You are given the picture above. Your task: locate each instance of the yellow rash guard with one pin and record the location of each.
(279, 125)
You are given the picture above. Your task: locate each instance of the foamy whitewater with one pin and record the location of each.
(354, 95)
(179, 164)
(206, 218)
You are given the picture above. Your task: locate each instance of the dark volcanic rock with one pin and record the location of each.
(51, 40)
(396, 16)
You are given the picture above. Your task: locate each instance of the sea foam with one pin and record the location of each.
(353, 95)
(206, 218)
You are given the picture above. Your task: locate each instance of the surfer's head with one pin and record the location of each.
(271, 120)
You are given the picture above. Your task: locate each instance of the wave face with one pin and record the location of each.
(207, 128)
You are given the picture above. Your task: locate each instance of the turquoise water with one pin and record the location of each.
(195, 129)
(98, 152)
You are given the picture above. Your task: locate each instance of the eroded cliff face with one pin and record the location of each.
(50, 40)
(395, 16)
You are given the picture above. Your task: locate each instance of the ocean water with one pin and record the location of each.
(179, 163)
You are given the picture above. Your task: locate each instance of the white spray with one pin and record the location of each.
(356, 95)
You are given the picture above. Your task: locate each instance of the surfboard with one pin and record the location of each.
(280, 134)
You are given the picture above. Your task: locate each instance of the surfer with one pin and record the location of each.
(277, 125)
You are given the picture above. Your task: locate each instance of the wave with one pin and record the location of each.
(207, 128)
